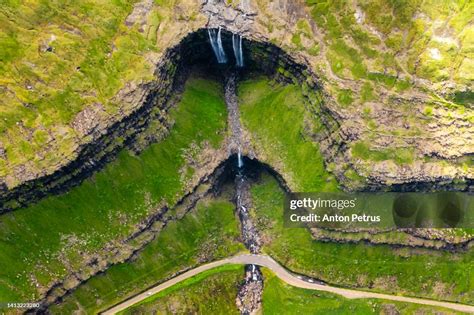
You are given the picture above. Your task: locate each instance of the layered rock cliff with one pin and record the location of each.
(395, 96)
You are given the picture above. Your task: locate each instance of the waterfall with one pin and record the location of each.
(212, 39)
(216, 42)
(221, 49)
(240, 162)
(240, 52)
(237, 46)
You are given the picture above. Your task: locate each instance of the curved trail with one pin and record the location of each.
(289, 278)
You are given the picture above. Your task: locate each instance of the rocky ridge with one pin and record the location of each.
(439, 143)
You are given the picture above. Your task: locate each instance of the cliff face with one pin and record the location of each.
(396, 118)
(105, 137)
(395, 92)
(394, 115)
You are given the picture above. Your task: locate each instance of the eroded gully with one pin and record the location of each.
(249, 297)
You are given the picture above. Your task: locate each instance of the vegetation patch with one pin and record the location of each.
(58, 58)
(206, 233)
(465, 98)
(43, 242)
(275, 115)
(399, 155)
(211, 292)
(367, 93)
(412, 272)
(281, 298)
(344, 97)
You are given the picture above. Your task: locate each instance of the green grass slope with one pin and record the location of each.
(43, 242)
(280, 127)
(211, 292)
(390, 42)
(56, 58)
(281, 298)
(416, 272)
(208, 232)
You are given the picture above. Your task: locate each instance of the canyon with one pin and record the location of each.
(227, 105)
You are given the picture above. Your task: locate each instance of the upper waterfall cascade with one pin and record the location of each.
(240, 161)
(215, 38)
(237, 46)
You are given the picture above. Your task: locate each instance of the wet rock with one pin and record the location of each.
(249, 298)
(237, 19)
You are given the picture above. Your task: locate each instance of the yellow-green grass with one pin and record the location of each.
(208, 232)
(211, 292)
(363, 151)
(280, 126)
(41, 242)
(56, 58)
(413, 272)
(396, 37)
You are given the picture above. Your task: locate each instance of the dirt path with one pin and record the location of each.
(291, 279)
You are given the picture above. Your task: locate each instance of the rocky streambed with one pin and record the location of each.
(249, 297)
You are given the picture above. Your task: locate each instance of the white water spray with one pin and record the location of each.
(240, 161)
(216, 42)
(221, 48)
(237, 46)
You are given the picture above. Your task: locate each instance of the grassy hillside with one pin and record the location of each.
(418, 272)
(281, 127)
(211, 292)
(281, 298)
(198, 295)
(43, 242)
(59, 57)
(388, 42)
(208, 232)
(56, 58)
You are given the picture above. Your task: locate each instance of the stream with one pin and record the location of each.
(249, 297)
